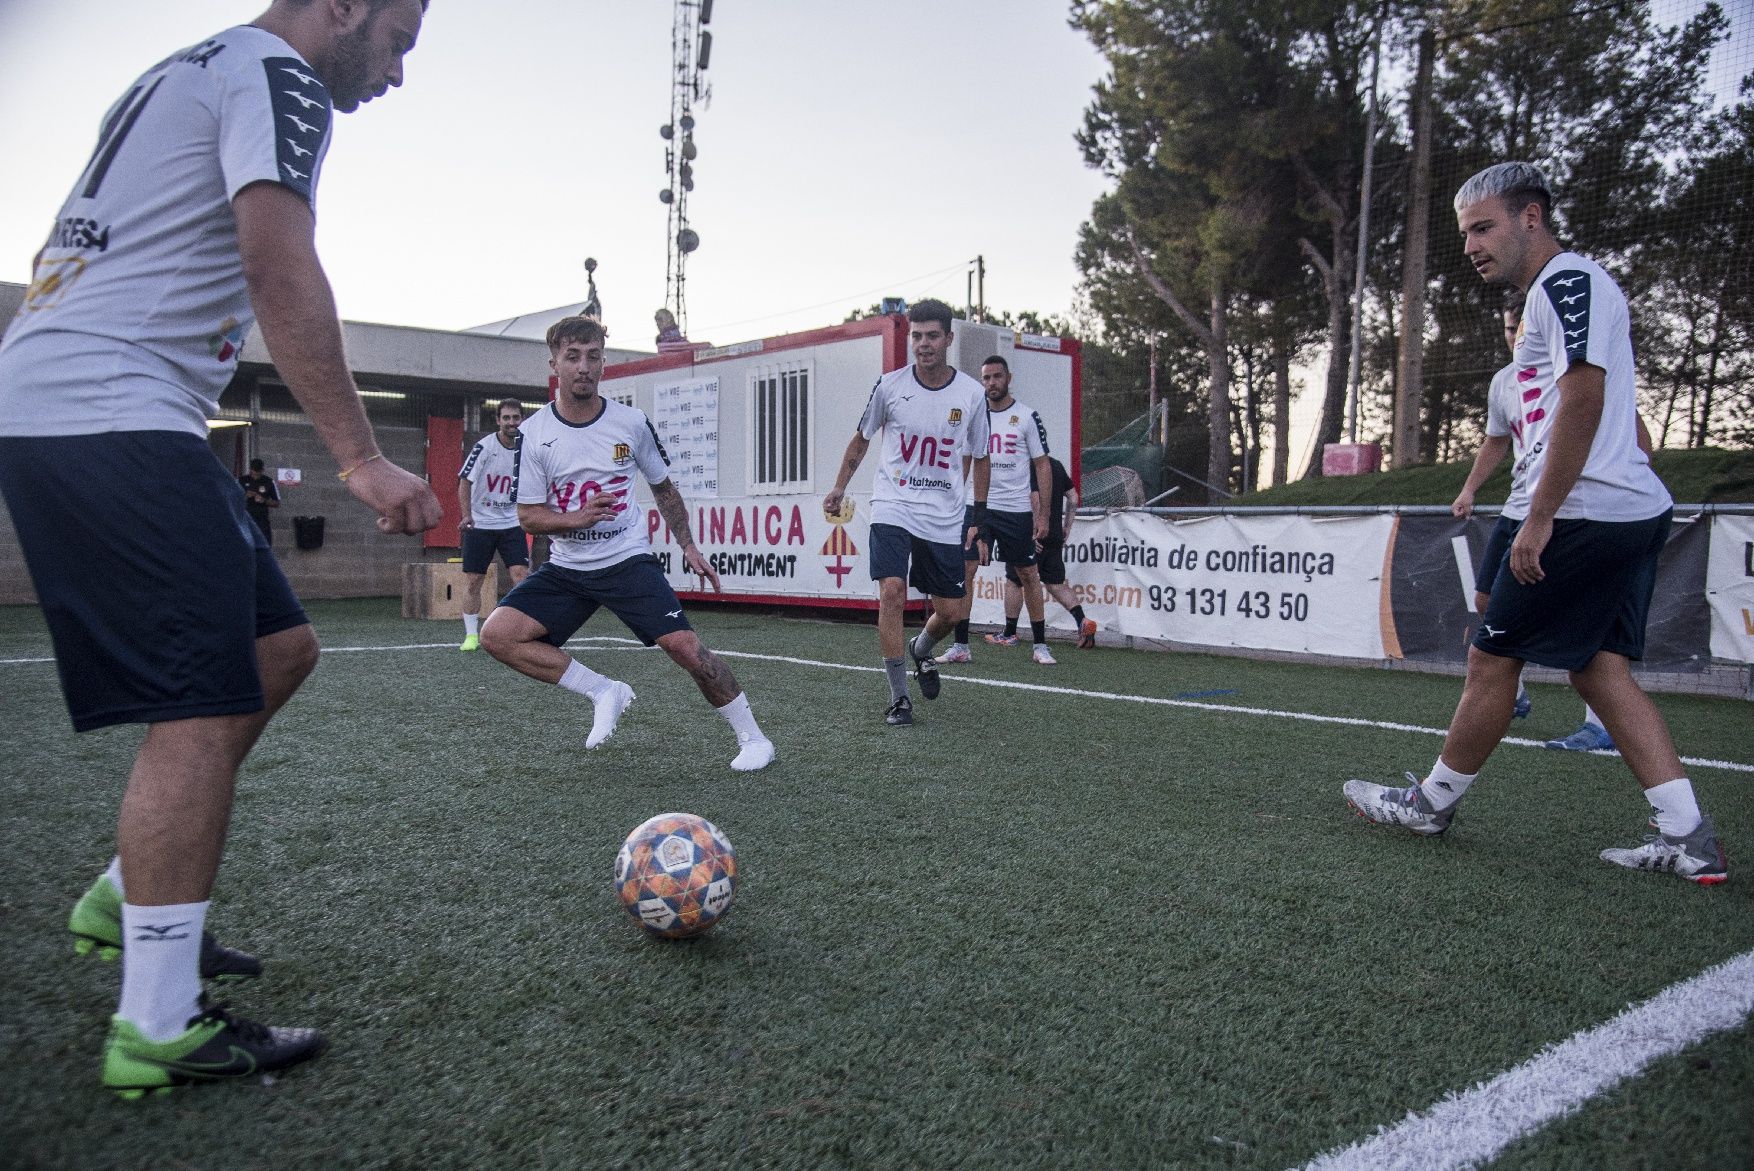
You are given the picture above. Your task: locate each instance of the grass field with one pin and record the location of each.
(1041, 928)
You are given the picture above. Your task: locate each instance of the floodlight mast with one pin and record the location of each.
(690, 50)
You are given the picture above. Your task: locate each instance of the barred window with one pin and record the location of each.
(779, 418)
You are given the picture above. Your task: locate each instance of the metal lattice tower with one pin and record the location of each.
(690, 49)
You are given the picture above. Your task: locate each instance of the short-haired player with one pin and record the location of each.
(1578, 578)
(1016, 520)
(490, 514)
(575, 486)
(933, 419)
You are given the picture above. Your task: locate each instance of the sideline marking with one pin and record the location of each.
(1472, 1127)
(1230, 708)
(615, 643)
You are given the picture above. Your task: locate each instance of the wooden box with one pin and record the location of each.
(434, 589)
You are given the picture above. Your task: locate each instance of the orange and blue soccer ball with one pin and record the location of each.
(677, 875)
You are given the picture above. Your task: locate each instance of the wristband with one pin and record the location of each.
(977, 513)
(342, 475)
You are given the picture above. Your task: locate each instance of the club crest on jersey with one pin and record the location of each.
(955, 415)
(225, 344)
(1013, 420)
(623, 453)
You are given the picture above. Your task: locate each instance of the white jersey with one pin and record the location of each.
(1504, 416)
(562, 464)
(926, 432)
(492, 471)
(137, 307)
(1576, 313)
(1015, 438)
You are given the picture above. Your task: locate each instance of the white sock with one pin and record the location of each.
(1590, 717)
(114, 874)
(1522, 692)
(1677, 809)
(161, 968)
(472, 623)
(959, 646)
(754, 750)
(741, 719)
(582, 679)
(1445, 786)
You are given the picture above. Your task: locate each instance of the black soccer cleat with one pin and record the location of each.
(926, 675)
(900, 712)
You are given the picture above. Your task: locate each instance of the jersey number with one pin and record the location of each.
(114, 132)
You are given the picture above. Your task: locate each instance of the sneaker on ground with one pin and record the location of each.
(900, 712)
(926, 674)
(1589, 738)
(1697, 857)
(1087, 634)
(956, 654)
(1407, 808)
(96, 924)
(753, 752)
(609, 704)
(217, 1046)
(1041, 654)
(1524, 705)
(1002, 639)
(471, 642)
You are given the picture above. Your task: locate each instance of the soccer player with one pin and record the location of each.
(192, 218)
(1051, 561)
(260, 495)
(575, 485)
(490, 515)
(1582, 564)
(934, 423)
(1016, 517)
(1504, 432)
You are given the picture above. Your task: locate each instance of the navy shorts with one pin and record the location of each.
(1010, 535)
(154, 581)
(479, 546)
(1595, 596)
(635, 591)
(1497, 549)
(1050, 563)
(936, 570)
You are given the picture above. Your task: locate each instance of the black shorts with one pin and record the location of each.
(154, 581)
(635, 591)
(1497, 549)
(1595, 595)
(1011, 536)
(1050, 562)
(936, 570)
(479, 546)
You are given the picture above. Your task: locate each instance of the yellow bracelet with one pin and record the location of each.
(368, 459)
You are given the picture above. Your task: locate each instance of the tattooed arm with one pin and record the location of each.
(675, 513)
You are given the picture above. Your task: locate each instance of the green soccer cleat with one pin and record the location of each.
(471, 642)
(217, 1046)
(96, 924)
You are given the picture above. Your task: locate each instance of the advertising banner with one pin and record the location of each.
(1290, 583)
(1729, 588)
(686, 418)
(772, 546)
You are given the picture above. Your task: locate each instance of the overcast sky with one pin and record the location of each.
(849, 151)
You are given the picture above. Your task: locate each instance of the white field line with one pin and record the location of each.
(1475, 1126)
(610, 642)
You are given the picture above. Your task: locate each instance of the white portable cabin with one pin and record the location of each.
(755, 433)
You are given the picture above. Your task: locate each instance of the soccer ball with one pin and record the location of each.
(676, 875)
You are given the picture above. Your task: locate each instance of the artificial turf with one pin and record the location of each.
(1037, 929)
